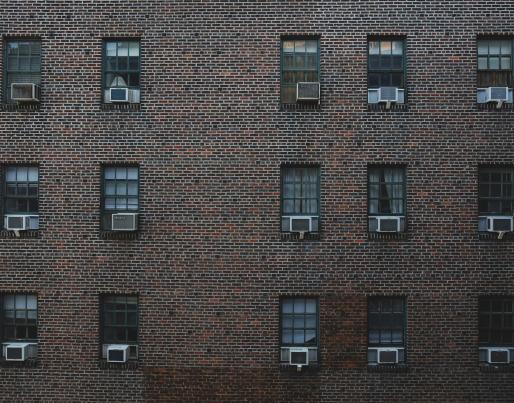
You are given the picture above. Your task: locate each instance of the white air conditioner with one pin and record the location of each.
(499, 224)
(118, 95)
(387, 355)
(124, 222)
(117, 353)
(498, 355)
(388, 95)
(307, 91)
(388, 223)
(16, 222)
(299, 357)
(497, 94)
(16, 351)
(300, 224)
(25, 92)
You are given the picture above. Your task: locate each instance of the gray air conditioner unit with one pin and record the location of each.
(499, 224)
(387, 355)
(498, 355)
(497, 94)
(25, 92)
(299, 357)
(307, 91)
(16, 222)
(124, 222)
(388, 223)
(16, 351)
(118, 95)
(117, 353)
(388, 95)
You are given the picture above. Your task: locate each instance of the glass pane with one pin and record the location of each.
(298, 337)
(287, 336)
(121, 203)
(110, 173)
(310, 306)
(288, 46)
(299, 46)
(374, 48)
(299, 62)
(123, 49)
(22, 174)
(299, 305)
(483, 47)
(374, 62)
(31, 302)
(494, 63)
(133, 63)
(506, 47)
(397, 48)
(287, 306)
(9, 302)
(20, 316)
(299, 322)
(132, 334)
(24, 48)
(122, 63)
(32, 316)
(312, 47)
(33, 174)
(310, 336)
(132, 204)
(385, 47)
(132, 173)
(482, 63)
(110, 203)
(110, 188)
(505, 63)
(10, 174)
(494, 47)
(121, 188)
(310, 321)
(110, 65)
(373, 336)
(134, 49)
(121, 173)
(110, 48)
(21, 302)
(21, 332)
(132, 188)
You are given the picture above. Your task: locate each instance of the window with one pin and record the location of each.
(496, 326)
(120, 321)
(386, 198)
(21, 192)
(300, 64)
(386, 67)
(299, 325)
(495, 191)
(386, 330)
(120, 192)
(121, 70)
(22, 65)
(300, 197)
(494, 66)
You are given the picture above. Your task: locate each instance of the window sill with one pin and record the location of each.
(387, 236)
(304, 106)
(123, 235)
(496, 368)
(30, 106)
(388, 368)
(295, 236)
(129, 365)
(492, 107)
(311, 368)
(491, 236)
(28, 363)
(34, 233)
(121, 107)
(382, 108)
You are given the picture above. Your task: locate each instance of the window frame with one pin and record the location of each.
(489, 169)
(4, 197)
(403, 70)
(477, 56)
(103, 210)
(284, 38)
(283, 167)
(102, 322)
(128, 71)
(490, 312)
(403, 168)
(5, 72)
(280, 314)
(404, 322)
(15, 325)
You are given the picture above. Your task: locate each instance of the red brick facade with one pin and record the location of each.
(209, 263)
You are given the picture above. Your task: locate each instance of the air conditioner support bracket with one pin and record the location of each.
(501, 234)
(388, 105)
(499, 104)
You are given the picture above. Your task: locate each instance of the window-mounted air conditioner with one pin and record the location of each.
(306, 91)
(497, 94)
(16, 351)
(117, 353)
(299, 357)
(118, 95)
(388, 223)
(17, 222)
(387, 355)
(388, 95)
(498, 355)
(499, 224)
(300, 224)
(25, 92)
(124, 222)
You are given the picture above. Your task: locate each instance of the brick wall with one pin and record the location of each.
(210, 265)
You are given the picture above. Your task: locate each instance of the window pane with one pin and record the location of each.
(22, 174)
(299, 337)
(494, 63)
(287, 336)
(121, 173)
(31, 302)
(310, 336)
(374, 48)
(505, 63)
(385, 47)
(10, 174)
(299, 305)
(483, 47)
(397, 48)
(132, 188)
(110, 173)
(288, 46)
(482, 63)
(21, 302)
(311, 306)
(121, 188)
(33, 174)
(494, 47)
(122, 49)
(9, 302)
(312, 46)
(299, 46)
(134, 49)
(110, 188)
(110, 48)
(287, 306)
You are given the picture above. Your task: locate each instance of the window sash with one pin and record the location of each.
(386, 196)
(496, 195)
(112, 328)
(386, 327)
(300, 191)
(496, 321)
(21, 201)
(300, 327)
(31, 62)
(120, 194)
(385, 74)
(123, 65)
(19, 320)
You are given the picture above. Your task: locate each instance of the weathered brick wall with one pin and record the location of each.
(210, 265)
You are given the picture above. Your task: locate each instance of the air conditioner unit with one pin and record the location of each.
(307, 91)
(301, 224)
(120, 95)
(388, 223)
(299, 356)
(498, 355)
(497, 94)
(16, 222)
(25, 92)
(117, 353)
(124, 222)
(388, 95)
(16, 351)
(499, 224)
(387, 355)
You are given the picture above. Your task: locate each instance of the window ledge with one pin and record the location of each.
(382, 108)
(311, 368)
(295, 236)
(387, 236)
(34, 233)
(489, 106)
(28, 363)
(121, 107)
(304, 106)
(496, 368)
(129, 365)
(491, 236)
(124, 235)
(33, 106)
(388, 368)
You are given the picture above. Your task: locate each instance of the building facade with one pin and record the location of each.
(209, 191)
